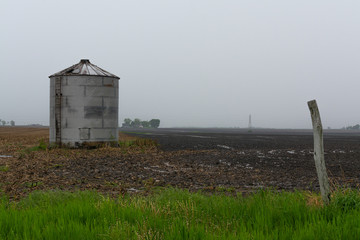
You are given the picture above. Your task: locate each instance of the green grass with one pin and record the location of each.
(4, 168)
(178, 214)
(42, 146)
(139, 142)
(27, 151)
(138, 133)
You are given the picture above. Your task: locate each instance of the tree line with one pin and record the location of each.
(355, 127)
(137, 123)
(4, 123)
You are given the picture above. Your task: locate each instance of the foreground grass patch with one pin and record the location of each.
(178, 214)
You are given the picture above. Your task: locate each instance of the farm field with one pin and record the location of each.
(132, 194)
(211, 160)
(247, 160)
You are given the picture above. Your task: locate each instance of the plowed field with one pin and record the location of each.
(215, 160)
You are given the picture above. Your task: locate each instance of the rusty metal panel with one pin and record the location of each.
(94, 111)
(110, 112)
(85, 81)
(108, 82)
(74, 90)
(58, 99)
(84, 67)
(100, 91)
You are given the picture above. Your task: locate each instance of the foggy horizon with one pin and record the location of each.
(190, 64)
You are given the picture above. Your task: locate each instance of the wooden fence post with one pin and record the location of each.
(319, 151)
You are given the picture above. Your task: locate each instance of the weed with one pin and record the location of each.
(28, 151)
(138, 133)
(347, 199)
(57, 166)
(41, 146)
(32, 184)
(148, 183)
(4, 168)
(139, 142)
(225, 189)
(313, 199)
(126, 143)
(111, 184)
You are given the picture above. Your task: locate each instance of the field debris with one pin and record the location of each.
(224, 146)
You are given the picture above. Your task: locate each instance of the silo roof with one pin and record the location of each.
(84, 67)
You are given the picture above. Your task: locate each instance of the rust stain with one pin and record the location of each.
(94, 111)
(84, 67)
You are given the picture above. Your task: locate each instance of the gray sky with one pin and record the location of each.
(190, 63)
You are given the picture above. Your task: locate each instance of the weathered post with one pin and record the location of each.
(319, 151)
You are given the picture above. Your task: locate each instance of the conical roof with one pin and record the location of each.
(84, 67)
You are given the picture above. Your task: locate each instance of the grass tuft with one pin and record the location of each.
(138, 142)
(4, 168)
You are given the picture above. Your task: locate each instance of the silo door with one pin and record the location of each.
(84, 133)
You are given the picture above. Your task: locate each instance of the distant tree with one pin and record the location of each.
(12, 123)
(3, 122)
(145, 124)
(127, 121)
(355, 127)
(136, 123)
(154, 123)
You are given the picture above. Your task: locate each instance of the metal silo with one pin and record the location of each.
(83, 106)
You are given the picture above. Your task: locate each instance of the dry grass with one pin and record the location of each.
(27, 164)
(313, 199)
(13, 139)
(124, 137)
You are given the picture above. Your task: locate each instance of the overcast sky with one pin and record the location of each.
(190, 62)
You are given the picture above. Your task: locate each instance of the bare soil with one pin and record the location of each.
(215, 160)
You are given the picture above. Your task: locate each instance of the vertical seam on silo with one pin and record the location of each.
(102, 117)
(58, 110)
(117, 102)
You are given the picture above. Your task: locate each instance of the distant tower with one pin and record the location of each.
(250, 126)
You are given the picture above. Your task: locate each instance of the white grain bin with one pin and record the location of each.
(83, 106)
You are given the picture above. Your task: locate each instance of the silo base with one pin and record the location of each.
(90, 145)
